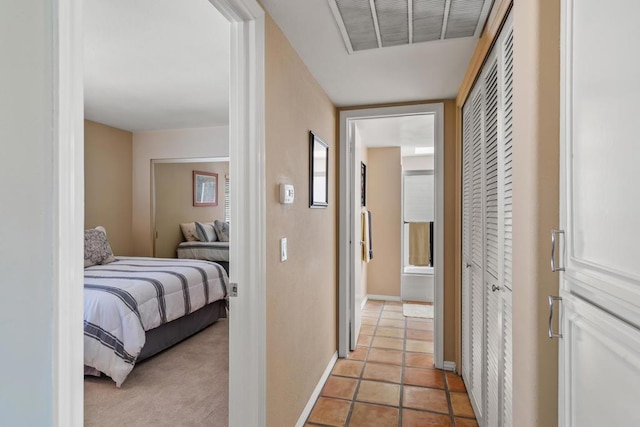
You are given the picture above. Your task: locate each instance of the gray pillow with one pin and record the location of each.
(96, 247)
(189, 231)
(206, 232)
(222, 230)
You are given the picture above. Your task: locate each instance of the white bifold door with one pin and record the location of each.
(597, 251)
(486, 236)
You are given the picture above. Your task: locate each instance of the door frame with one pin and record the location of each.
(154, 162)
(345, 286)
(247, 331)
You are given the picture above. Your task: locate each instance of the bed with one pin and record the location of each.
(209, 251)
(137, 307)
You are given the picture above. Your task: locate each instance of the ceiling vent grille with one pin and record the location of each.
(358, 20)
(371, 24)
(464, 16)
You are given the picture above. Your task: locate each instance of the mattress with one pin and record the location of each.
(125, 299)
(208, 251)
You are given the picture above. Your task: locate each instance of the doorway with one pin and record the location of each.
(172, 201)
(418, 225)
(246, 135)
(350, 298)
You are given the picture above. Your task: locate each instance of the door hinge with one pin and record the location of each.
(233, 291)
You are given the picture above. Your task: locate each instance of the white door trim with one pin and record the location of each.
(247, 355)
(344, 288)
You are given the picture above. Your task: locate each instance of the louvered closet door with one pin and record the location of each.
(506, 166)
(477, 255)
(466, 241)
(487, 234)
(492, 246)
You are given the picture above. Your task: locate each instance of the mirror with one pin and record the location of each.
(318, 172)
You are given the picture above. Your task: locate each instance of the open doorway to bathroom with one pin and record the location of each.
(391, 222)
(418, 226)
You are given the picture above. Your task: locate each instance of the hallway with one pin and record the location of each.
(389, 380)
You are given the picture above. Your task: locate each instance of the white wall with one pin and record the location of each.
(27, 213)
(412, 163)
(166, 144)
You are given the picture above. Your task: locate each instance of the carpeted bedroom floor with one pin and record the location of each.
(186, 385)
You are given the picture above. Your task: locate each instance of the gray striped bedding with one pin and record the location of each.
(124, 299)
(210, 251)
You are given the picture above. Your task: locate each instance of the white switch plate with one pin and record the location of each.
(286, 194)
(283, 249)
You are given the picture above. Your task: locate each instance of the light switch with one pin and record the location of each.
(283, 249)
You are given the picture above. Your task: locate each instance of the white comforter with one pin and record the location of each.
(124, 299)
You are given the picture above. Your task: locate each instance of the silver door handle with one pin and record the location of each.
(554, 233)
(552, 299)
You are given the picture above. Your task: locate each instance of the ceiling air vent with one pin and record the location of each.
(371, 24)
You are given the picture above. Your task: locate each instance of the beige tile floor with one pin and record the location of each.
(389, 380)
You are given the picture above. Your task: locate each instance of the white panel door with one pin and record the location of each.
(600, 211)
(600, 381)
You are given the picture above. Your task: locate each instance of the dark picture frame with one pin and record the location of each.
(205, 189)
(363, 184)
(318, 172)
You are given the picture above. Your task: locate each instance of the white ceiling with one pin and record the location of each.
(164, 64)
(423, 71)
(156, 64)
(407, 132)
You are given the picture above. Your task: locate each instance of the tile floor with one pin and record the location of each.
(389, 380)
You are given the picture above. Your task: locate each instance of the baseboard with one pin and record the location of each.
(364, 302)
(383, 298)
(316, 392)
(449, 366)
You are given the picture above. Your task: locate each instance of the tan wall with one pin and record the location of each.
(301, 292)
(174, 202)
(384, 200)
(108, 183)
(535, 208)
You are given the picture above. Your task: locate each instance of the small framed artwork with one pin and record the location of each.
(205, 188)
(318, 172)
(363, 184)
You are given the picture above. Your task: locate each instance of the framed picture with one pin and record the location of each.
(363, 184)
(318, 172)
(205, 188)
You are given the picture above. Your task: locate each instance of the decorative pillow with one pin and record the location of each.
(189, 231)
(222, 230)
(206, 232)
(96, 247)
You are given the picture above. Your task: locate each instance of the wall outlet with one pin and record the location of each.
(283, 249)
